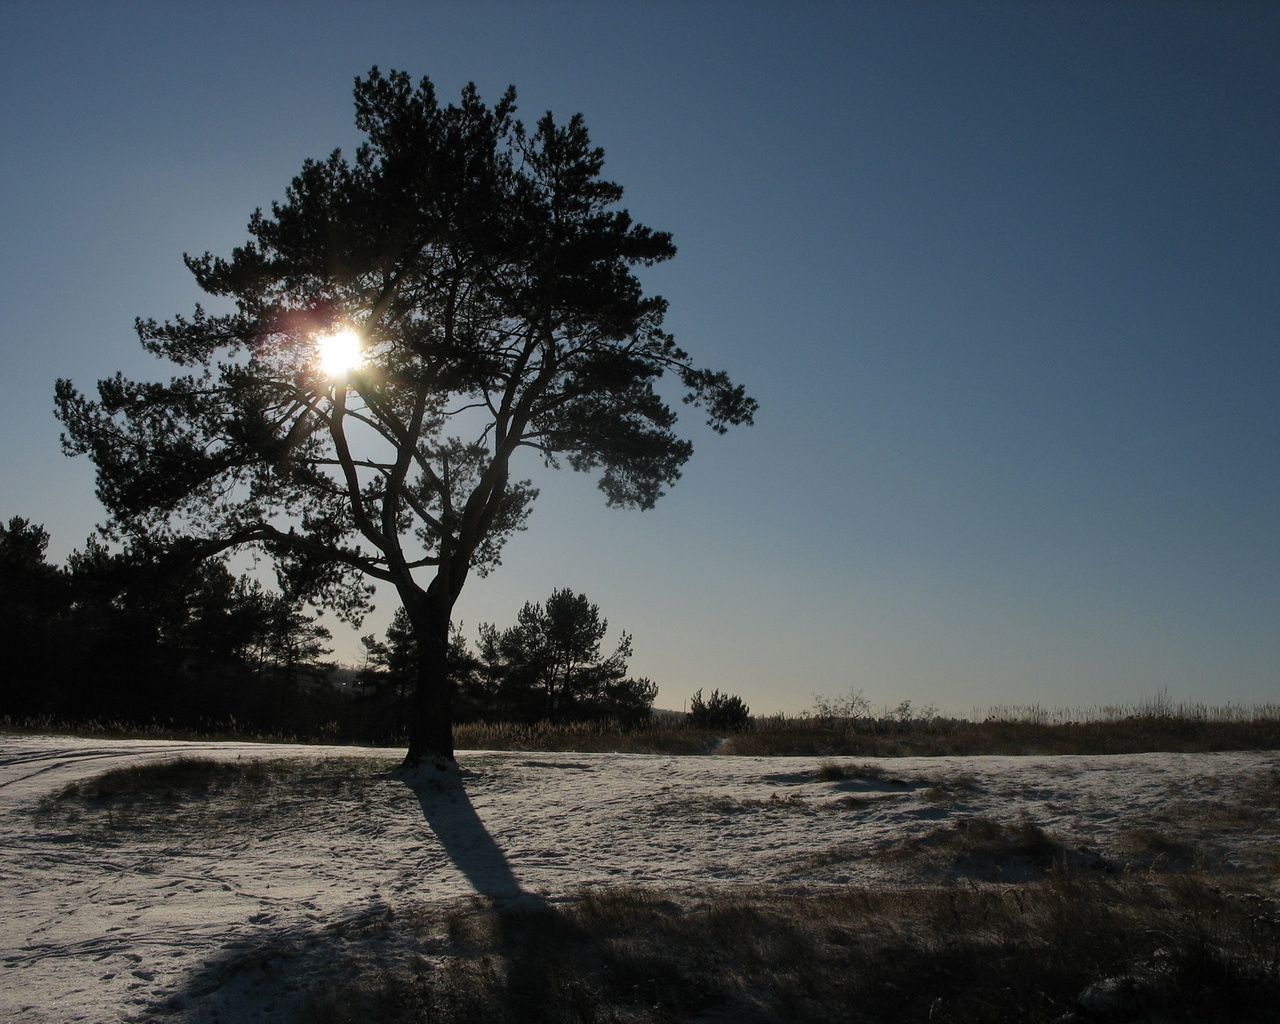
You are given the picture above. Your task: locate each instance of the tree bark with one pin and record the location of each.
(431, 714)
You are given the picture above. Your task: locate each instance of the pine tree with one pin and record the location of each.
(400, 327)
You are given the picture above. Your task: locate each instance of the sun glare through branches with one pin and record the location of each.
(339, 352)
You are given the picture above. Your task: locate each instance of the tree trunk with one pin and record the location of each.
(431, 715)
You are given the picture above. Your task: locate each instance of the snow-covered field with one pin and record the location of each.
(105, 925)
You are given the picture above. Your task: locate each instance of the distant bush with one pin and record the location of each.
(719, 711)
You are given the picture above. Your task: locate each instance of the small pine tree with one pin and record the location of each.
(551, 664)
(719, 711)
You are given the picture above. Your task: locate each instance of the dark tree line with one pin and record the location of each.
(134, 636)
(129, 636)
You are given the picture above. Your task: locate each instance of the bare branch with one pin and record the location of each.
(358, 511)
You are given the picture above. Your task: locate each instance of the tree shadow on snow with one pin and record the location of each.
(450, 815)
(284, 970)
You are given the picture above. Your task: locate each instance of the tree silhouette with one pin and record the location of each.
(166, 638)
(719, 711)
(33, 597)
(552, 665)
(485, 272)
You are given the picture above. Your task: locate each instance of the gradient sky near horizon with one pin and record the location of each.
(1005, 279)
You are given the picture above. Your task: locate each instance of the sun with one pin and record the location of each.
(339, 353)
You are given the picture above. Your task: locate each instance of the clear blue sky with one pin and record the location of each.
(1004, 278)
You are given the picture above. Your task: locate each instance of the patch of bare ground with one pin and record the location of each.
(879, 777)
(1062, 949)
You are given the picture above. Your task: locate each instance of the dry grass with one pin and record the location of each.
(950, 789)
(1143, 729)
(205, 729)
(183, 778)
(982, 847)
(217, 800)
(790, 803)
(1149, 849)
(1156, 725)
(1034, 953)
(929, 737)
(1156, 707)
(831, 771)
(585, 737)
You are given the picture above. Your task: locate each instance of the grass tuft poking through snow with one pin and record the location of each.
(988, 849)
(207, 798)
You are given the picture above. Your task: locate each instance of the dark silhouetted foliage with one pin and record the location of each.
(33, 600)
(552, 666)
(719, 711)
(487, 269)
(549, 666)
(130, 636)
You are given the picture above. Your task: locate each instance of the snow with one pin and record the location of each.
(138, 929)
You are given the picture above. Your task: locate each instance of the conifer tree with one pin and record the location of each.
(388, 339)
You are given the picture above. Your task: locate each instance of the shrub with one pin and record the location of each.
(719, 711)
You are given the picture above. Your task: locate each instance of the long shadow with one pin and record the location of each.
(522, 926)
(545, 961)
(451, 816)
(521, 934)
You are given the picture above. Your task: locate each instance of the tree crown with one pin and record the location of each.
(489, 274)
